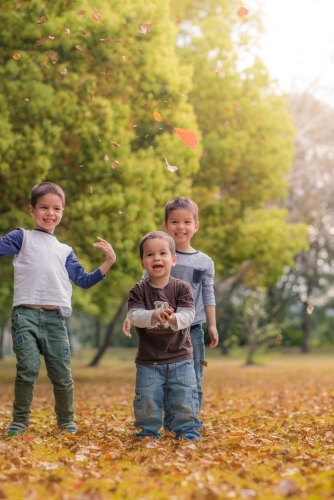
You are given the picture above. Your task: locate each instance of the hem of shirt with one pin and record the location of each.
(163, 362)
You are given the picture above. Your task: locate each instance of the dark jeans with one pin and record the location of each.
(35, 332)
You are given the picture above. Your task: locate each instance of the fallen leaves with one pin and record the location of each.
(188, 137)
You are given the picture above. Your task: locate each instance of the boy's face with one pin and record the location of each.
(47, 212)
(181, 226)
(157, 258)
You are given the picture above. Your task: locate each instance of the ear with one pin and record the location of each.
(31, 211)
(142, 264)
(196, 226)
(165, 226)
(174, 260)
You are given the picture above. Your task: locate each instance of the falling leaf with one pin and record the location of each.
(91, 189)
(187, 136)
(95, 15)
(117, 41)
(67, 31)
(216, 71)
(169, 167)
(106, 40)
(115, 144)
(63, 71)
(124, 58)
(106, 158)
(115, 164)
(42, 20)
(226, 124)
(120, 212)
(40, 41)
(16, 57)
(80, 166)
(84, 32)
(145, 28)
(51, 37)
(53, 58)
(242, 11)
(81, 12)
(91, 96)
(157, 116)
(26, 100)
(236, 105)
(310, 309)
(78, 48)
(203, 362)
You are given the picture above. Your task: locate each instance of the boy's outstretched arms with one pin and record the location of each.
(212, 328)
(109, 253)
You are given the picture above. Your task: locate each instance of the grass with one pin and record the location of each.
(268, 433)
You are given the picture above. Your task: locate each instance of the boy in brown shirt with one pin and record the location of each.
(165, 367)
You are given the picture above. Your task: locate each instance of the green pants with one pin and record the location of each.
(35, 332)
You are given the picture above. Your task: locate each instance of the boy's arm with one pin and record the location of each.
(183, 318)
(11, 243)
(80, 277)
(143, 318)
(210, 304)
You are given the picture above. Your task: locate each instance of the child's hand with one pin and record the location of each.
(107, 249)
(171, 318)
(160, 316)
(213, 336)
(127, 327)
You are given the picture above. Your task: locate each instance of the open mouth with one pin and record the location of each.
(157, 267)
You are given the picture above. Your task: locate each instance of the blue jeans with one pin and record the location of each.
(197, 340)
(172, 384)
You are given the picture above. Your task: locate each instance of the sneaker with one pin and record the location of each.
(15, 429)
(70, 427)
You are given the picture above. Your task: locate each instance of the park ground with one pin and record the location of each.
(268, 434)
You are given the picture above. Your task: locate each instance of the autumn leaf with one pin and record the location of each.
(117, 41)
(53, 58)
(114, 164)
(40, 41)
(226, 124)
(242, 11)
(78, 48)
(67, 31)
(91, 190)
(81, 12)
(84, 32)
(91, 96)
(236, 105)
(95, 15)
(145, 28)
(115, 144)
(106, 40)
(203, 362)
(188, 137)
(42, 20)
(63, 71)
(157, 116)
(106, 158)
(16, 57)
(169, 167)
(51, 37)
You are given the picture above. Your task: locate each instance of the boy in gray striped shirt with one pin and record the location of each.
(197, 269)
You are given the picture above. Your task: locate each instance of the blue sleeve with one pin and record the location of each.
(208, 293)
(79, 276)
(11, 243)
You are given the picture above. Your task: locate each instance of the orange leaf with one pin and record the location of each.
(16, 57)
(203, 362)
(95, 15)
(29, 438)
(157, 116)
(187, 136)
(242, 11)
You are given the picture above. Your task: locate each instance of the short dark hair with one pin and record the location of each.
(181, 202)
(157, 235)
(46, 188)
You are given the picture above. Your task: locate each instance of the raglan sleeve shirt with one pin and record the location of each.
(207, 285)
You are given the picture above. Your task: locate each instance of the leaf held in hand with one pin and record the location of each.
(242, 11)
(157, 116)
(95, 15)
(187, 136)
(16, 57)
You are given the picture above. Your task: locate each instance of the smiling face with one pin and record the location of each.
(181, 226)
(47, 212)
(157, 260)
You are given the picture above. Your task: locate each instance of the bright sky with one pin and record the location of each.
(298, 46)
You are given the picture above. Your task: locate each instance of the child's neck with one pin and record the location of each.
(158, 282)
(184, 247)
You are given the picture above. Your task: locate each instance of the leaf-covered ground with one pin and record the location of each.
(269, 433)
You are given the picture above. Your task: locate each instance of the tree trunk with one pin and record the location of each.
(306, 329)
(97, 339)
(109, 333)
(2, 337)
